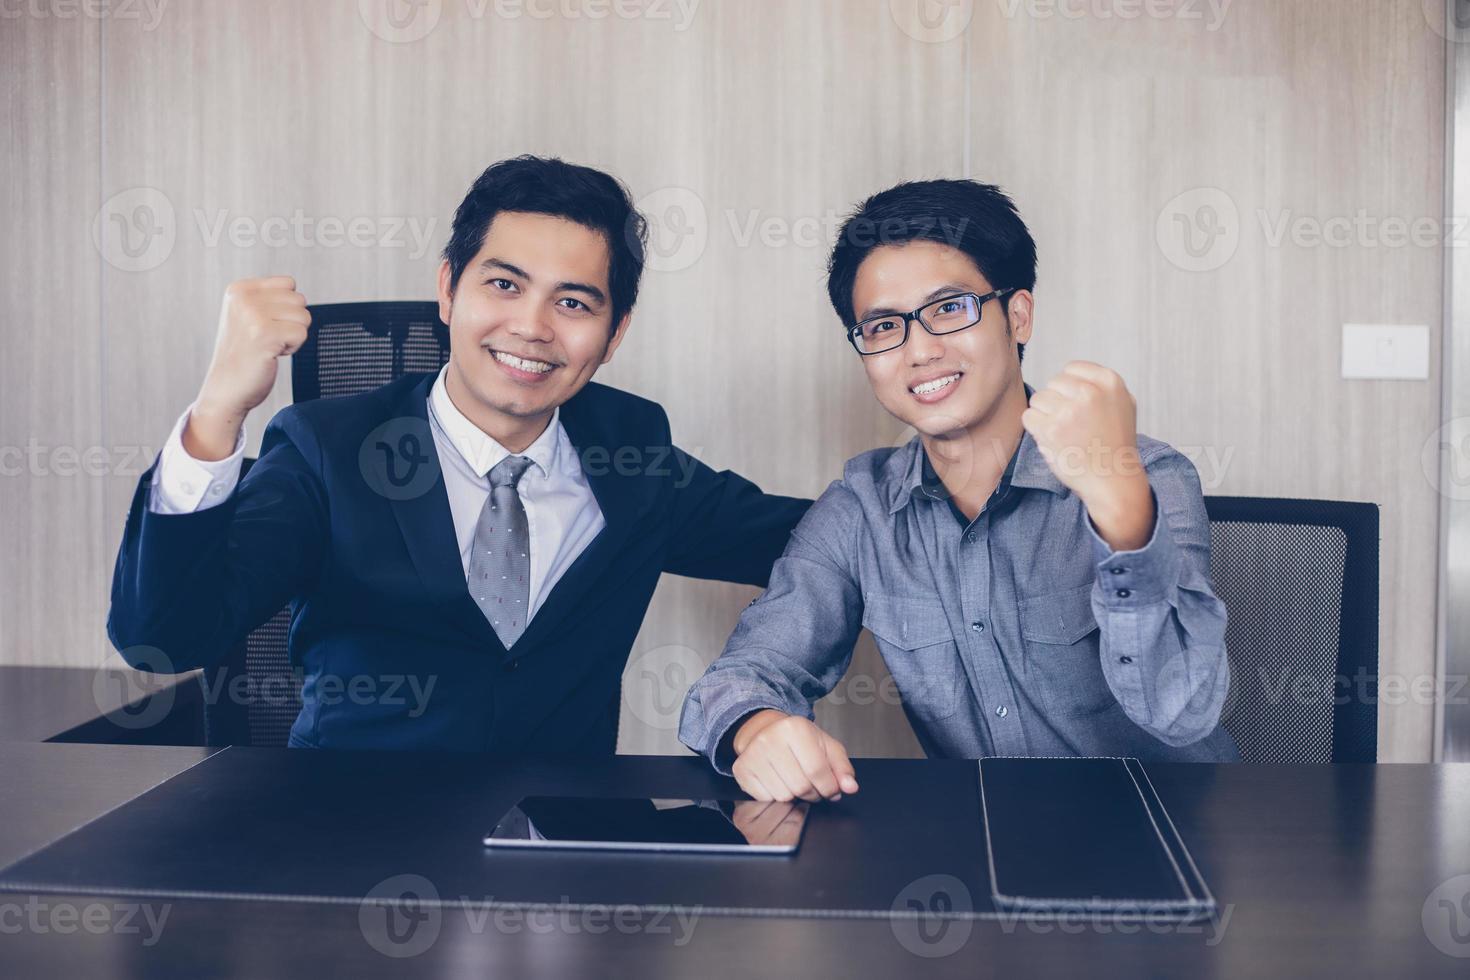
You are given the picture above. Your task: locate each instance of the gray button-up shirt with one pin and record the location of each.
(1021, 634)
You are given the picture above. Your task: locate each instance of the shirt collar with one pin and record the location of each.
(476, 448)
(909, 473)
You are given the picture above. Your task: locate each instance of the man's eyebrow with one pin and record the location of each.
(585, 288)
(948, 289)
(492, 264)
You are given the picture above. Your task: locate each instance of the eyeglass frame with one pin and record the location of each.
(913, 315)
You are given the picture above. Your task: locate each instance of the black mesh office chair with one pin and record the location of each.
(352, 347)
(1299, 579)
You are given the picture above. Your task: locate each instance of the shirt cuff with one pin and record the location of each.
(722, 749)
(1131, 579)
(724, 757)
(183, 484)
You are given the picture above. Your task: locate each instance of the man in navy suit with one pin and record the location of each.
(488, 536)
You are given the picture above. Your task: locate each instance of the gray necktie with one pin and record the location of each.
(500, 562)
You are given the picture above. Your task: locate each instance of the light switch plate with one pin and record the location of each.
(1385, 351)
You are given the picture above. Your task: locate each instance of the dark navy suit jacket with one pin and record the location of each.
(345, 516)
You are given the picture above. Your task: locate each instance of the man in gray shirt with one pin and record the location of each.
(1035, 573)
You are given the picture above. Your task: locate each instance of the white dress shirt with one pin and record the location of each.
(561, 512)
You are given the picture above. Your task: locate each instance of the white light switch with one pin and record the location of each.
(1396, 353)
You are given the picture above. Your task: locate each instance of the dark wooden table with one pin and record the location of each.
(1332, 871)
(75, 704)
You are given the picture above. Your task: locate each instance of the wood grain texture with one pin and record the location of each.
(56, 550)
(746, 129)
(1295, 118)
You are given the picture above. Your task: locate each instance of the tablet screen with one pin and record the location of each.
(643, 824)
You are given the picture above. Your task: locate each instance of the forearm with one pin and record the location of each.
(1123, 514)
(190, 582)
(740, 684)
(1162, 637)
(169, 608)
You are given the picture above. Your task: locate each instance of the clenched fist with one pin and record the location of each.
(782, 757)
(1085, 424)
(260, 321)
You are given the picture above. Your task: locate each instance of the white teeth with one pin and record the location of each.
(932, 386)
(536, 367)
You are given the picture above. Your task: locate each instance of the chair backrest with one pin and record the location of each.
(1299, 579)
(351, 348)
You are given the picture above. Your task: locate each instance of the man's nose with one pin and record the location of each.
(531, 326)
(922, 345)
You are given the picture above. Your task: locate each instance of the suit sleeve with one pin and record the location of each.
(188, 587)
(724, 527)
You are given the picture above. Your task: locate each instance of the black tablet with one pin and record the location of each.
(643, 824)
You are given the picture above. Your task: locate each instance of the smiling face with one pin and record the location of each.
(530, 322)
(946, 384)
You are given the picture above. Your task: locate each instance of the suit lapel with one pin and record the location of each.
(622, 494)
(425, 520)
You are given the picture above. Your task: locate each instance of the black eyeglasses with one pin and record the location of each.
(948, 314)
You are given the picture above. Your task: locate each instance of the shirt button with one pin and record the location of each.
(977, 626)
(1124, 593)
(1117, 571)
(512, 666)
(1125, 660)
(1001, 710)
(970, 537)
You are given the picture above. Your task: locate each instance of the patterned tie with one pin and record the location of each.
(500, 563)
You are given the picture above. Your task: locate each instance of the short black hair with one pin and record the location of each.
(978, 219)
(546, 185)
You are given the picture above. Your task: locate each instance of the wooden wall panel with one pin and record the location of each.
(53, 442)
(746, 129)
(1288, 119)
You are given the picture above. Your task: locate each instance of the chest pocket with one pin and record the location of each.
(1058, 618)
(915, 641)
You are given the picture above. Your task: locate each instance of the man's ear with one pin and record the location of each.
(446, 297)
(1018, 315)
(618, 335)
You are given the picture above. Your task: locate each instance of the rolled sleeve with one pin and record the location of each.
(1162, 627)
(185, 485)
(793, 643)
